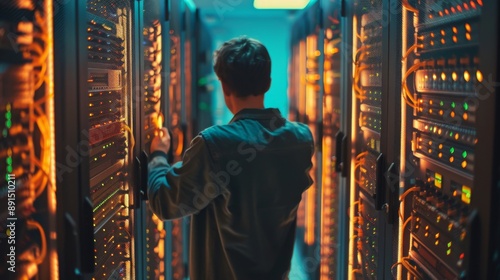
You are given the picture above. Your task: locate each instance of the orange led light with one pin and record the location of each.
(454, 76)
(479, 76)
(443, 32)
(464, 164)
(443, 76)
(480, 2)
(465, 116)
(468, 36)
(459, 8)
(452, 159)
(432, 35)
(452, 114)
(455, 30)
(468, 28)
(443, 41)
(466, 76)
(473, 5)
(455, 39)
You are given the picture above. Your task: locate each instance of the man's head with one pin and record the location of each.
(243, 66)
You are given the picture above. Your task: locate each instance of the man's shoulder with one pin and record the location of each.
(301, 130)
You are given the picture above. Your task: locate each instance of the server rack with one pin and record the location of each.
(444, 86)
(119, 62)
(369, 153)
(151, 235)
(27, 165)
(333, 216)
(307, 107)
(422, 111)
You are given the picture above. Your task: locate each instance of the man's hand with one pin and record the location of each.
(161, 142)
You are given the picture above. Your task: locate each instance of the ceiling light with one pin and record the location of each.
(280, 4)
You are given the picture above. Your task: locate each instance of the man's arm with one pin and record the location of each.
(184, 188)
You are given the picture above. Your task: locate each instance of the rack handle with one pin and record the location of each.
(379, 195)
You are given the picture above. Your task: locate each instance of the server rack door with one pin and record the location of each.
(440, 78)
(151, 234)
(306, 107)
(332, 222)
(368, 225)
(174, 120)
(27, 164)
(109, 102)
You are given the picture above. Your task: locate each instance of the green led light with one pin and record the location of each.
(8, 115)
(104, 147)
(464, 154)
(9, 160)
(452, 150)
(466, 106)
(448, 251)
(8, 123)
(449, 244)
(452, 104)
(9, 169)
(451, 134)
(7, 177)
(441, 103)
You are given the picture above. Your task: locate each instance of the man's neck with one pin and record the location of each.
(250, 102)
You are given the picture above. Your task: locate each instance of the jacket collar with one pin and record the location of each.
(262, 114)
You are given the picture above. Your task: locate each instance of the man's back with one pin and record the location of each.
(245, 223)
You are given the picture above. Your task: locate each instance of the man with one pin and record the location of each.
(241, 182)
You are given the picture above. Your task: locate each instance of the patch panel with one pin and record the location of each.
(437, 12)
(444, 238)
(367, 238)
(454, 111)
(371, 120)
(446, 132)
(457, 36)
(367, 174)
(456, 81)
(446, 152)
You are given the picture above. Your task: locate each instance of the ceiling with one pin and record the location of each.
(215, 11)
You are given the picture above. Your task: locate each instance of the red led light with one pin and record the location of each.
(462, 256)
(459, 8)
(473, 5)
(480, 2)
(466, 6)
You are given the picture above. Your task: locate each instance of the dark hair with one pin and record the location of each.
(244, 65)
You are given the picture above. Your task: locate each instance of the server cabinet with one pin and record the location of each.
(370, 153)
(333, 204)
(446, 231)
(95, 138)
(307, 107)
(152, 240)
(27, 166)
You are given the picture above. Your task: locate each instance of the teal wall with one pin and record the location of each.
(275, 35)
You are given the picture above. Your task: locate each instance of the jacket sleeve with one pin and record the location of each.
(185, 187)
